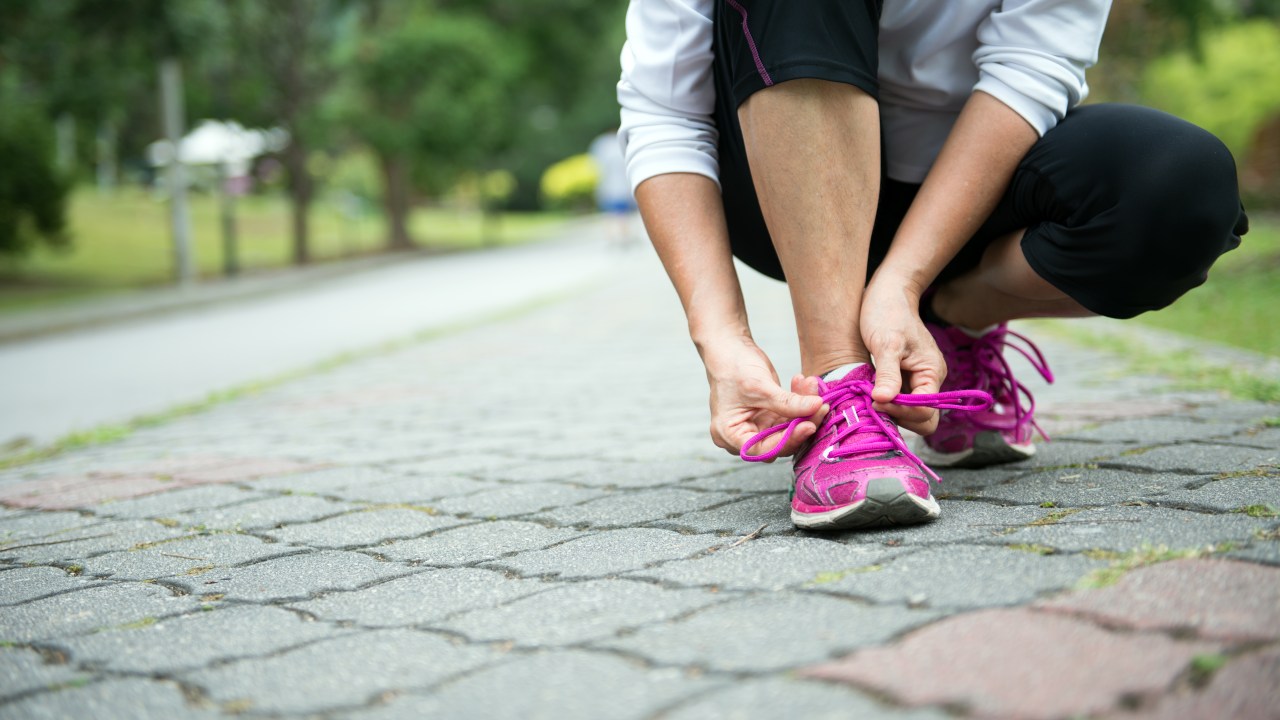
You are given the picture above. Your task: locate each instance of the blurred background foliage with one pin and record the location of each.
(451, 123)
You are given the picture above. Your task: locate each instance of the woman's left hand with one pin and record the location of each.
(906, 357)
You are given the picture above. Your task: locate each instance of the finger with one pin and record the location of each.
(888, 379)
(802, 385)
(793, 405)
(804, 431)
(905, 415)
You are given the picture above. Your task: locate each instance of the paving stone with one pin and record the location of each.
(416, 490)
(264, 514)
(771, 563)
(960, 521)
(364, 528)
(89, 540)
(31, 526)
(1134, 528)
(325, 480)
(21, 584)
(1229, 494)
(477, 542)
(1260, 551)
(1070, 487)
(196, 640)
(593, 471)
(578, 612)
(193, 557)
(1016, 663)
(1217, 599)
(1204, 459)
(552, 685)
(765, 635)
(125, 698)
(962, 576)
(650, 473)
(513, 500)
(90, 609)
(1060, 453)
(295, 577)
(634, 508)
(607, 552)
(369, 664)
(747, 478)
(180, 500)
(770, 514)
(1248, 687)
(785, 697)
(24, 671)
(1160, 430)
(423, 598)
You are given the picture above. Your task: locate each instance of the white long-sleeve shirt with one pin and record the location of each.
(1029, 54)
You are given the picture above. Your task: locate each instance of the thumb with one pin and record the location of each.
(888, 383)
(791, 405)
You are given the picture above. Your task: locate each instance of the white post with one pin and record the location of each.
(107, 166)
(171, 110)
(65, 133)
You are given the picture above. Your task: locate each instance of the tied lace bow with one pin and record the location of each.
(855, 395)
(985, 368)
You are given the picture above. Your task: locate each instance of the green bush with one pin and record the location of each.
(1232, 93)
(33, 195)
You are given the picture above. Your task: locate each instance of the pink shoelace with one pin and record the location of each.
(984, 367)
(855, 395)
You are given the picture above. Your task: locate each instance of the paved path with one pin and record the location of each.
(526, 520)
(73, 381)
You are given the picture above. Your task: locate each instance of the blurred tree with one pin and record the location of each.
(275, 71)
(427, 91)
(33, 194)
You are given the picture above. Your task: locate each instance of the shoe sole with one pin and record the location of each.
(887, 504)
(989, 448)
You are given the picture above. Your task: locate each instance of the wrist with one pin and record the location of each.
(910, 281)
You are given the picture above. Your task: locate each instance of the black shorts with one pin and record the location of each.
(1124, 208)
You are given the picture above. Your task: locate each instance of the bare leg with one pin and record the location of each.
(1003, 287)
(814, 149)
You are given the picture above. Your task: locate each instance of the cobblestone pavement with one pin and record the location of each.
(526, 519)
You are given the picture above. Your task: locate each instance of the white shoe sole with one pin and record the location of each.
(887, 504)
(989, 448)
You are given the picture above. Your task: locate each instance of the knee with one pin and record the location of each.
(1180, 204)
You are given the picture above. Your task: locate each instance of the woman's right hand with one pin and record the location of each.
(746, 398)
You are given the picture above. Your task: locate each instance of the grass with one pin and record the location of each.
(1122, 563)
(121, 242)
(1237, 306)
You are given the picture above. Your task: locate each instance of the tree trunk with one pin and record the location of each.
(301, 190)
(395, 198)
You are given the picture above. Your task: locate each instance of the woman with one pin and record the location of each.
(937, 148)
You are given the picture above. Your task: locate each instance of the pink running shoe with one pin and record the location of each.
(857, 472)
(1003, 433)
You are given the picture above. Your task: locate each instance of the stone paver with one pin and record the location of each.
(89, 610)
(525, 518)
(293, 577)
(778, 631)
(577, 613)
(607, 553)
(1216, 599)
(193, 641)
(961, 576)
(589, 685)
(369, 665)
(422, 598)
(477, 542)
(1016, 664)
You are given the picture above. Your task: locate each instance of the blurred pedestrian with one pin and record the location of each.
(613, 189)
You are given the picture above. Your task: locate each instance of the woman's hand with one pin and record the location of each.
(747, 398)
(906, 357)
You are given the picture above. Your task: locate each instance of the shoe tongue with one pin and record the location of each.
(852, 371)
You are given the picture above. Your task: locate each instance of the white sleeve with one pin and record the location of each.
(1032, 55)
(666, 91)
